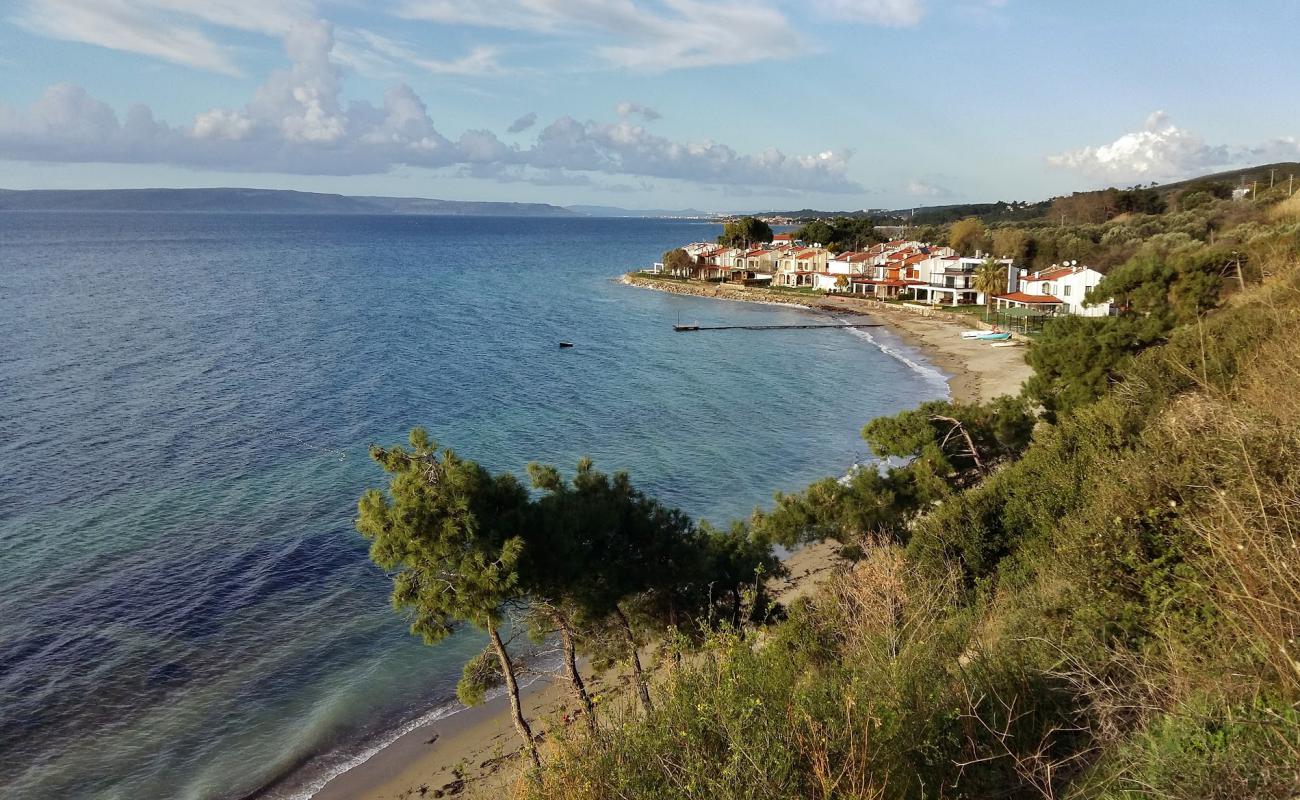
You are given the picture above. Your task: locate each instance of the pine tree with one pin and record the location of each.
(449, 532)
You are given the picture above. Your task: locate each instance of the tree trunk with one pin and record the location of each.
(512, 687)
(643, 690)
(571, 667)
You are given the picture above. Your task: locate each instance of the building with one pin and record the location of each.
(1058, 289)
(949, 280)
(797, 268)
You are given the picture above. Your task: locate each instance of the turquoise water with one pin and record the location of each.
(185, 405)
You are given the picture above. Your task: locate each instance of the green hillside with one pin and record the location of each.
(1089, 591)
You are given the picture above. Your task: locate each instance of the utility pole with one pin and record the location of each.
(1270, 178)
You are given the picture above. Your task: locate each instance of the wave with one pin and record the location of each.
(930, 373)
(328, 772)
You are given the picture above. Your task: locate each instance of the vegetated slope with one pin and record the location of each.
(1108, 607)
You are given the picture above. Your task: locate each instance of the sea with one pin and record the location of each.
(186, 402)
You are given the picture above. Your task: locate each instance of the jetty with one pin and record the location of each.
(688, 328)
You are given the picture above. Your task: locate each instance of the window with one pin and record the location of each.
(1065, 291)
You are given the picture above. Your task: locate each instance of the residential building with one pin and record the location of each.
(1058, 289)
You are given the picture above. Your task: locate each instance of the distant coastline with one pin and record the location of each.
(261, 201)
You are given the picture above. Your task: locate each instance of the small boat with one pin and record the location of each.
(993, 337)
(1006, 344)
(973, 334)
(680, 328)
(566, 344)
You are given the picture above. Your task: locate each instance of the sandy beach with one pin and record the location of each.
(473, 753)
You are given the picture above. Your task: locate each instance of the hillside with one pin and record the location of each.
(1087, 591)
(261, 201)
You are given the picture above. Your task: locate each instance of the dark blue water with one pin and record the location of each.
(185, 403)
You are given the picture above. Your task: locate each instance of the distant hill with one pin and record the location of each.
(261, 201)
(661, 213)
(1238, 177)
(1023, 211)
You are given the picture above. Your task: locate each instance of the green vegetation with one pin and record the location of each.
(841, 233)
(1088, 591)
(677, 261)
(744, 232)
(591, 560)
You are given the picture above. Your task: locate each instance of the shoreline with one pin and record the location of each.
(469, 752)
(975, 371)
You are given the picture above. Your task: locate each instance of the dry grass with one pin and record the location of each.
(1286, 211)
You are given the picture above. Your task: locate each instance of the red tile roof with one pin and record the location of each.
(1051, 274)
(1021, 297)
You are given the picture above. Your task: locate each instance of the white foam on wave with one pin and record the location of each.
(309, 789)
(930, 373)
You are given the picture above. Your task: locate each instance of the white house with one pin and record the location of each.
(950, 280)
(1060, 287)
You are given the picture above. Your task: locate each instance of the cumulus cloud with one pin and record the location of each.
(296, 122)
(890, 13)
(646, 113)
(523, 123)
(1164, 151)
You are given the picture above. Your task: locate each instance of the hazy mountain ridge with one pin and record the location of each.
(262, 201)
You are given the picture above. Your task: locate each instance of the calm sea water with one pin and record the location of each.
(185, 403)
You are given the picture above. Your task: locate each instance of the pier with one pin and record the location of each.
(690, 328)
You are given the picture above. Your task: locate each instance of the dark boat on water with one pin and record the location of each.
(566, 344)
(686, 327)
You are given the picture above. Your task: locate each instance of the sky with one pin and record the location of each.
(721, 105)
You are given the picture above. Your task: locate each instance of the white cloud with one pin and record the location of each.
(646, 113)
(920, 187)
(125, 25)
(183, 31)
(890, 13)
(672, 34)
(297, 123)
(371, 53)
(1160, 151)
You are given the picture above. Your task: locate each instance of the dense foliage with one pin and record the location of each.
(745, 232)
(841, 233)
(1089, 591)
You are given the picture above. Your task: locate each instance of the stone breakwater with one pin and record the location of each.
(828, 302)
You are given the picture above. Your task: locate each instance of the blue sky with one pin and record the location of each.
(715, 104)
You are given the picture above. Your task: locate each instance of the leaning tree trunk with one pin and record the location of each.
(643, 690)
(512, 687)
(571, 667)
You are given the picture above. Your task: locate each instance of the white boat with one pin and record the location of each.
(1006, 344)
(972, 334)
